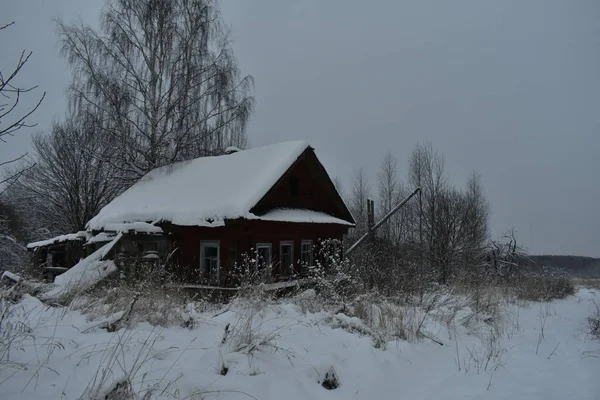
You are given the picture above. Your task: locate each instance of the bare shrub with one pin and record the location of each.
(117, 377)
(249, 276)
(594, 321)
(247, 333)
(309, 301)
(390, 319)
(544, 286)
(488, 356)
(485, 306)
(149, 300)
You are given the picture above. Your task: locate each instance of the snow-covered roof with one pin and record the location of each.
(140, 227)
(81, 235)
(102, 237)
(297, 215)
(206, 191)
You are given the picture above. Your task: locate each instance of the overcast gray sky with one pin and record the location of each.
(509, 89)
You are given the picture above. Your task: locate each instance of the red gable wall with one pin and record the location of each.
(305, 185)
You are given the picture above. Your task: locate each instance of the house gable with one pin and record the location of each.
(305, 185)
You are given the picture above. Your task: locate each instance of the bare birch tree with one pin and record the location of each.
(359, 193)
(67, 186)
(441, 238)
(12, 117)
(164, 74)
(388, 194)
(426, 170)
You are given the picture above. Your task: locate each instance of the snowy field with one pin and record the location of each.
(283, 351)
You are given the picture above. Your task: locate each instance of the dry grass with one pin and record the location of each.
(542, 288)
(393, 319)
(590, 283)
(159, 306)
(594, 321)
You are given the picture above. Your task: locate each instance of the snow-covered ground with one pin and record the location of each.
(281, 352)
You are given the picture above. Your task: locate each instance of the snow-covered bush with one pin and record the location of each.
(249, 279)
(333, 276)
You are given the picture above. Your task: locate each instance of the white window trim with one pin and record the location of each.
(262, 246)
(211, 243)
(291, 244)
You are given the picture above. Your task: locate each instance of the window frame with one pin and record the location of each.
(232, 257)
(203, 245)
(303, 265)
(263, 245)
(289, 243)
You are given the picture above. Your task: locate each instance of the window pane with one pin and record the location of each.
(286, 259)
(210, 251)
(263, 256)
(210, 262)
(306, 256)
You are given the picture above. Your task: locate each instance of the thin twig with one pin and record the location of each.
(558, 344)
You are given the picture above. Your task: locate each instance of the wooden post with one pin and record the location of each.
(385, 218)
(370, 214)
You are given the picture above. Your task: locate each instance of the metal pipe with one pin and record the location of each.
(377, 225)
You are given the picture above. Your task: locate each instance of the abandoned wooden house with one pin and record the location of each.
(54, 256)
(270, 205)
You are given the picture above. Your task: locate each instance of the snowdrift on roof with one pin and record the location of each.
(81, 235)
(300, 215)
(203, 191)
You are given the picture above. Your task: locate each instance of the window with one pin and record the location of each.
(263, 256)
(232, 259)
(209, 261)
(145, 247)
(294, 186)
(306, 255)
(286, 257)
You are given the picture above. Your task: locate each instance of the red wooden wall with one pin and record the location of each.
(242, 236)
(315, 191)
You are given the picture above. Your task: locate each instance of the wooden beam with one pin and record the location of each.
(385, 218)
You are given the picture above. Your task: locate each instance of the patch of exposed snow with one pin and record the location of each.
(232, 149)
(11, 276)
(103, 323)
(302, 349)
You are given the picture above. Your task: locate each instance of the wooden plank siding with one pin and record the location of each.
(305, 185)
(240, 237)
(314, 190)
